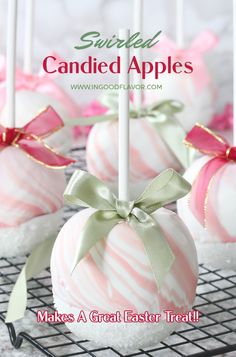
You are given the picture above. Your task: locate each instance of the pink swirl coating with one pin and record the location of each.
(116, 274)
(220, 205)
(149, 155)
(27, 188)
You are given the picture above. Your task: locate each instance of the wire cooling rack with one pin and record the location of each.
(214, 334)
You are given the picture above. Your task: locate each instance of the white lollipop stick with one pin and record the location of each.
(28, 40)
(11, 61)
(138, 27)
(234, 56)
(180, 23)
(124, 120)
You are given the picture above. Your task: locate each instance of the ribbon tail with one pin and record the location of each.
(173, 135)
(43, 154)
(96, 228)
(85, 121)
(201, 186)
(38, 260)
(157, 248)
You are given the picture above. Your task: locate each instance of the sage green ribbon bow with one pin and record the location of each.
(88, 191)
(159, 115)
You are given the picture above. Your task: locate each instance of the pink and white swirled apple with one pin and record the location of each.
(116, 276)
(31, 186)
(209, 210)
(216, 242)
(149, 154)
(30, 202)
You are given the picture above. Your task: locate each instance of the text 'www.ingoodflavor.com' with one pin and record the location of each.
(116, 87)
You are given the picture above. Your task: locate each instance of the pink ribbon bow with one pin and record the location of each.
(203, 43)
(30, 139)
(215, 146)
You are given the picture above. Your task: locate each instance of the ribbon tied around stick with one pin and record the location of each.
(160, 115)
(215, 146)
(30, 139)
(85, 190)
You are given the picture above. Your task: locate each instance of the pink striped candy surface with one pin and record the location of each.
(116, 275)
(149, 155)
(27, 188)
(220, 207)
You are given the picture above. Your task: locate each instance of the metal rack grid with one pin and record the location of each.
(215, 333)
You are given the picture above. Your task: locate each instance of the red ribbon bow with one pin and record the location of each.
(207, 142)
(30, 139)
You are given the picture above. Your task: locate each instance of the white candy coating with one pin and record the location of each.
(216, 244)
(21, 240)
(149, 155)
(28, 190)
(116, 276)
(28, 105)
